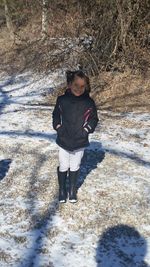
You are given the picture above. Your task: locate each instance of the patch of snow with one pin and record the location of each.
(35, 229)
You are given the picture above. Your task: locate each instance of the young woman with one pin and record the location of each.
(74, 118)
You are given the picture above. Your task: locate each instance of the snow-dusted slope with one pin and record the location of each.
(110, 224)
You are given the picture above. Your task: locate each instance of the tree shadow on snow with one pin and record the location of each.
(41, 220)
(4, 167)
(19, 82)
(133, 157)
(121, 246)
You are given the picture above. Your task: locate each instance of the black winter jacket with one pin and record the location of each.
(77, 116)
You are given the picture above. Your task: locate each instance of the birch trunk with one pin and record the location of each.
(45, 19)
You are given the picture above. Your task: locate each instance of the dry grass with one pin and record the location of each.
(121, 91)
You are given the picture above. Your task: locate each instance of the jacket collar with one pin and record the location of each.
(69, 93)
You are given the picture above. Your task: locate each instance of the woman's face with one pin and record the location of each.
(78, 86)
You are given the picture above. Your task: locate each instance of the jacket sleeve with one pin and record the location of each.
(56, 114)
(92, 121)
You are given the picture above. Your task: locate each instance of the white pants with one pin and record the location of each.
(70, 159)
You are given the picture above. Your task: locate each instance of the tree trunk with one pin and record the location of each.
(9, 21)
(45, 19)
(125, 21)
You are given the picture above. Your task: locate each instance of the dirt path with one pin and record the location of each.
(110, 224)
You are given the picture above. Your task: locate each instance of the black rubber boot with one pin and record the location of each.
(73, 177)
(62, 185)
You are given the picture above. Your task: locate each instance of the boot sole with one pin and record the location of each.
(62, 201)
(72, 201)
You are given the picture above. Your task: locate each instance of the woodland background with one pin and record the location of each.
(109, 39)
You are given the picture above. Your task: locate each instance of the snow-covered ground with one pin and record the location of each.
(109, 226)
